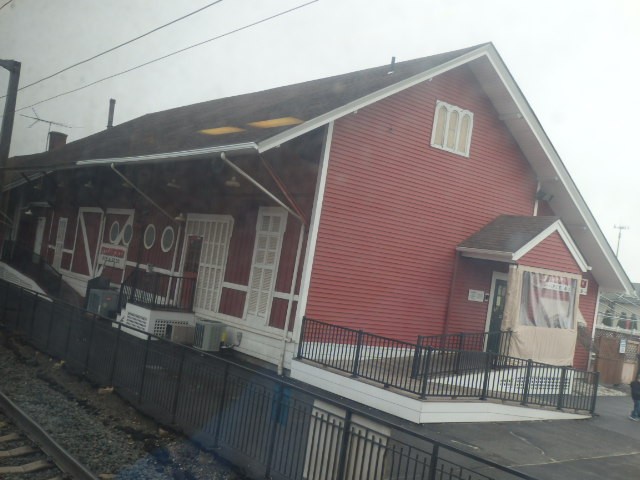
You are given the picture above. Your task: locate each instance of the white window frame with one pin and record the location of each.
(254, 317)
(204, 225)
(455, 130)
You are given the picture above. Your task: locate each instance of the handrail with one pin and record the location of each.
(157, 291)
(446, 372)
(26, 261)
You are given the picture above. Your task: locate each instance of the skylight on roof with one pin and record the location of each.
(276, 122)
(221, 130)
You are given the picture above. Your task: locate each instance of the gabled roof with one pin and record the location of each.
(509, 237)
(176, 134)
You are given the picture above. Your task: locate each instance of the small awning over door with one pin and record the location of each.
(508, 238)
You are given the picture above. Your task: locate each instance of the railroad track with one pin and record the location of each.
(28, 452)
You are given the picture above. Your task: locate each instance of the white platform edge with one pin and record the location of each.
(417, 411)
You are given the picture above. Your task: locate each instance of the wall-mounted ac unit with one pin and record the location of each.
(208, 335)
(183, 334)
(103, 302)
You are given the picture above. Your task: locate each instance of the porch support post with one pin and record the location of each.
(454, 275)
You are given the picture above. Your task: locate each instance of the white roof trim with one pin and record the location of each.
(199, 152)
(559, 227)
(362, 102)
(550, 152)
(484, 254)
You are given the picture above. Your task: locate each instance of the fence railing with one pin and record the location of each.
(272, 427)
(157, 291)
(23, 259)
(446, 372)
(497, 342)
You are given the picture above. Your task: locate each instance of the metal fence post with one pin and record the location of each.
(415, 367)
(219, 414)
(274, 428)
(433, 464)
(144, 368)
(527, 383)
(425, 374)
(68, 337)
(596, 382)
(33, 312)
(344, 446)
(115, 354)
(302, 332)
(487, 371)
(563, 379)
(356, 358)
(46, 345)
(174, 406)
(86, 359)
(459, 353)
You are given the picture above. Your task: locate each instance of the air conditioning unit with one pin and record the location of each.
(183, 334)
(208, 335)
(103, 302)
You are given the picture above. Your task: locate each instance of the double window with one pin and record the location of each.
(452, 129)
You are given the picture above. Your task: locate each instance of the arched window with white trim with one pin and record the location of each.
(452, 128)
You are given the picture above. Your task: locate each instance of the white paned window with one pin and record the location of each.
(270, 228)
(215, 231)
(452, 129)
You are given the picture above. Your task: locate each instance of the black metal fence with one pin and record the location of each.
(157, 291)
(23, 259)
(269, 425)
(446, 372)
(496, 342)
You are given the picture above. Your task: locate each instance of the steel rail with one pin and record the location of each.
(45, 442)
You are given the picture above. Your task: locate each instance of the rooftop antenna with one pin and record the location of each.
(37, 119)
(620, 228)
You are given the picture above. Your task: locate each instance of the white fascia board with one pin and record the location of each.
(362, 102)
(550, 152)
(484, 254)
(168, 156)
(559, 227)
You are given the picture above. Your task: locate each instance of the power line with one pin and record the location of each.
(117, 46)
(6, 4)
(169, 55)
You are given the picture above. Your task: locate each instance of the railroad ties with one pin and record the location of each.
(27, 451)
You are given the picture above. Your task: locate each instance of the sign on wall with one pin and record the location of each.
(113, 256)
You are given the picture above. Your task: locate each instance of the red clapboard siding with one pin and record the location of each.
(395, 208)
(467, 315)
(552, 253)
(587, 307)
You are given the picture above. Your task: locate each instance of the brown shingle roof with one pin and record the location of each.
(508, 233)
(178, 129)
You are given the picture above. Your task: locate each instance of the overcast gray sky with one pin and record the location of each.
(575, 61)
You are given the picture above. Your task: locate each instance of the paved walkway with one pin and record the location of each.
(606, 446)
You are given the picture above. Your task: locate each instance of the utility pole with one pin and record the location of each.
(9, 111)
(5, 133)
(620, 228)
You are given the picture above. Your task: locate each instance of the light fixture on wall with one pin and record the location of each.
(173, 184)
(88, 184)
(180, 217)
(28, 211)
(232, 182)
(542, 195)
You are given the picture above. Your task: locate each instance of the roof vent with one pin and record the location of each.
(392, 66)
(112, 107)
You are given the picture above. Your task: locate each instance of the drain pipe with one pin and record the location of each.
(285, 331)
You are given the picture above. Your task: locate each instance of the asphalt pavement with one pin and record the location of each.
(606, 446)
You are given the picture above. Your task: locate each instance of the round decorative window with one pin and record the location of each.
(127, 234)
(149, 236)
(168, 236)
(114, 232)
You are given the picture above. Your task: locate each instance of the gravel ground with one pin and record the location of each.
(106, 434)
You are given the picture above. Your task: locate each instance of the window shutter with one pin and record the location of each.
(269, 234)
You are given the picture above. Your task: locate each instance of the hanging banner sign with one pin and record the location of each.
(113, 256)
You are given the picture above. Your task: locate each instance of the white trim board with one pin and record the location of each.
(418, 411)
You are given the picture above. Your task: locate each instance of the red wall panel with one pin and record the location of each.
(395, 208)
(553, 254)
